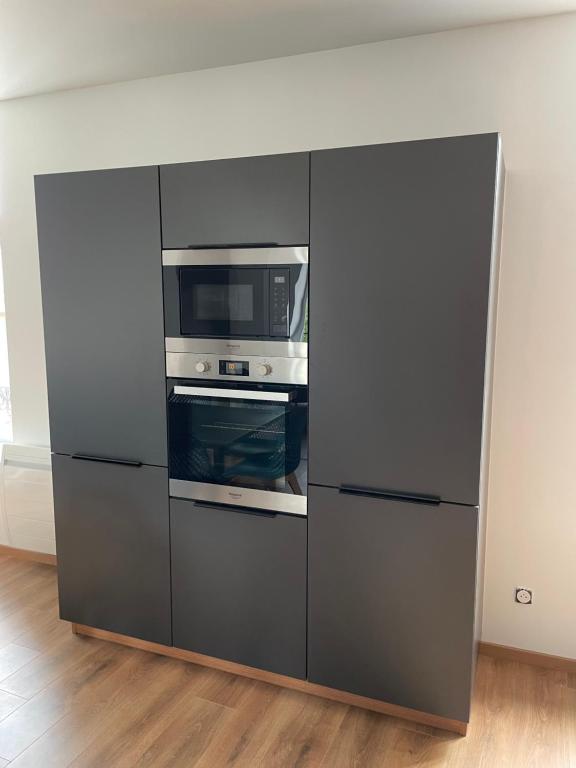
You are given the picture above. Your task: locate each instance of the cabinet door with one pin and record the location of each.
(400, 251)
(113, 543)
(391, 600)
(248, 200)
(239, 586)
(100, 259)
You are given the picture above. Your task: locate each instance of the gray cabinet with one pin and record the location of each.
(239, 585)
(400, 251)
(112, 536)
(391, 600)
(242, 201)
(100, 260)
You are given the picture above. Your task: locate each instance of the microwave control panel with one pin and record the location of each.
(279, 302)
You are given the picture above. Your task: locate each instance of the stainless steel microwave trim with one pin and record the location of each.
(234, 394)
(210, 257)
(279, 370)
(237, 347)
(271, 501)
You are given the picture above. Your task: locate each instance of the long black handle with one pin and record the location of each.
(227, 246)
(235, 508)
(415, 498)
(107, 460)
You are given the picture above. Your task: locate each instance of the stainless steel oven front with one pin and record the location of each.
(240, 442)
(256, 294)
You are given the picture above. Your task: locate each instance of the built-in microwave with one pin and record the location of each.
(236, 293)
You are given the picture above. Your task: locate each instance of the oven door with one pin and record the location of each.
(243, 445)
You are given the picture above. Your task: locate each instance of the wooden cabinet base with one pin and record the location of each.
(435, 721)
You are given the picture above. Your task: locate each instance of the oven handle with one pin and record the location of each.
(238, 394)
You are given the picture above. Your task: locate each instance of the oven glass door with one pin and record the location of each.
(240, 437)
(224, 301)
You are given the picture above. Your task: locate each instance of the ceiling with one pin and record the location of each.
(48, 45)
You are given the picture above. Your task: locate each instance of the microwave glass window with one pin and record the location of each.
(233, 303)
(224, 301)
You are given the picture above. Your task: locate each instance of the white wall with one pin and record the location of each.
(517, 78)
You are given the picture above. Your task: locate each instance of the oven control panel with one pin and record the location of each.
(284, 370)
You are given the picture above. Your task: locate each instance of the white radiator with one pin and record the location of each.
(27, 510)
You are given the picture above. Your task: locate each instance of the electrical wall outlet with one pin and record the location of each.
(523, 595)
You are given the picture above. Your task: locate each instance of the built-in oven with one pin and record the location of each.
(235, 293)
(239, 442)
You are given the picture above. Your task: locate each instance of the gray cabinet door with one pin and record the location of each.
(239, 586)
(391, 600)
(100, 259)
(400, 250)
(248, 200)
(113, 541)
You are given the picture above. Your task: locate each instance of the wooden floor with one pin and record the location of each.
(72, 701)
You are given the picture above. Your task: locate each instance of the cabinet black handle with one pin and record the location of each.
(415, 498)
(235, 508)
(225, 246)
(106, 460)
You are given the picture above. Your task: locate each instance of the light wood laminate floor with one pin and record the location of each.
(66, 700)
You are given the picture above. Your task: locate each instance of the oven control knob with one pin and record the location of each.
(264, 369)
(203, 366)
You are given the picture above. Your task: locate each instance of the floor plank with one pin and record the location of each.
(72, 689)
(9, 703)
(74, 702)
(12, 658)
(109, 708)
(60, 654)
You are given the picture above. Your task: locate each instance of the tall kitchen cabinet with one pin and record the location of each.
(402, 240)
(377, 592)
(100, 260)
